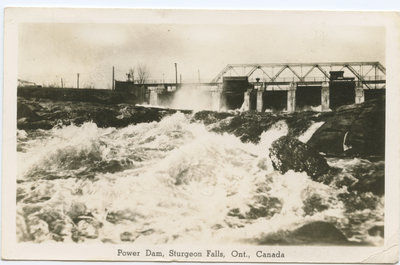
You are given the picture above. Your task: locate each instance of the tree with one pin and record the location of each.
(143, 73)
(130, 76)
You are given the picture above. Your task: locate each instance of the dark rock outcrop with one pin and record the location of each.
(24, 124)
(377, 230)
(354, 130)
(209, 117)
(312, 233)
(374, 184)
(370, 178)
(26, 112)
(246, 125)
(288, 153)
(250, 125)
(77, 210)
(319, 232)
(47, 113)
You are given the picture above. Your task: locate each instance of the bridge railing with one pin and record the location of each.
(291, 79)
(312, 79)
(264, 79)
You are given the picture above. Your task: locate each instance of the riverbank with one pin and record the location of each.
(100, 96)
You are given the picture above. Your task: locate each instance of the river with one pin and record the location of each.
(176, 181)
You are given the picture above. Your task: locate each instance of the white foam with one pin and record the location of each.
(183, 182)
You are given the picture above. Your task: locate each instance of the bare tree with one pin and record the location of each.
(143, 73)
(130, 76)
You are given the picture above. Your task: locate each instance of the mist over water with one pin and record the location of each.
(193, 98)
(172, 181)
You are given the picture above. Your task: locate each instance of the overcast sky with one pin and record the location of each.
(48, 52)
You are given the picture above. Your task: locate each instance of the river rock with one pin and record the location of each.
(121, 216)
(38, 229)
(50, 113)
(265, 207)
(127, 236)
(377, 230)
(89, 228)
(313, 233)
(288, 153)
(210, 117)
(76, 210)
(355, 130)
(374, 183)
(24, 111)
(319, 232)
(41, 124)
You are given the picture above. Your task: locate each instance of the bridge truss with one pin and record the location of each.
(371, 75)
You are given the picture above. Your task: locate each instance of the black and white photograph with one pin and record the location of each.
(200, 136)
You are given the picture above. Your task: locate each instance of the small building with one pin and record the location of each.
(338, 76)
(236, 83)
(342, 89)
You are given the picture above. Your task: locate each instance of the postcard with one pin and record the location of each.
(201, 135)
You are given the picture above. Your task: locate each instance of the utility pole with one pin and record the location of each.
(176, 75)
(180, 78)
(77, 80)
(62, 84)
(113, 78)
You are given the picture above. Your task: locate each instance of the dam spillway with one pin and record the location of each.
(331, 86)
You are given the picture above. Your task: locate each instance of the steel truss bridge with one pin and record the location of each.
(371, 75)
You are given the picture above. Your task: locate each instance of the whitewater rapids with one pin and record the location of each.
(171, 181)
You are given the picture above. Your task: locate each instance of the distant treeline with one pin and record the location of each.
(72, 94)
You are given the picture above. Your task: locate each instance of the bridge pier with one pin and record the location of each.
(153, 98)
(360, 98)
(246, 101)
(325, 97)
(260, 101)
(291, 98)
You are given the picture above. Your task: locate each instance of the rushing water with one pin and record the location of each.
(173, 181)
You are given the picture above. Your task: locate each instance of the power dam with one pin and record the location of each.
(285, 87)
(96, 167)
